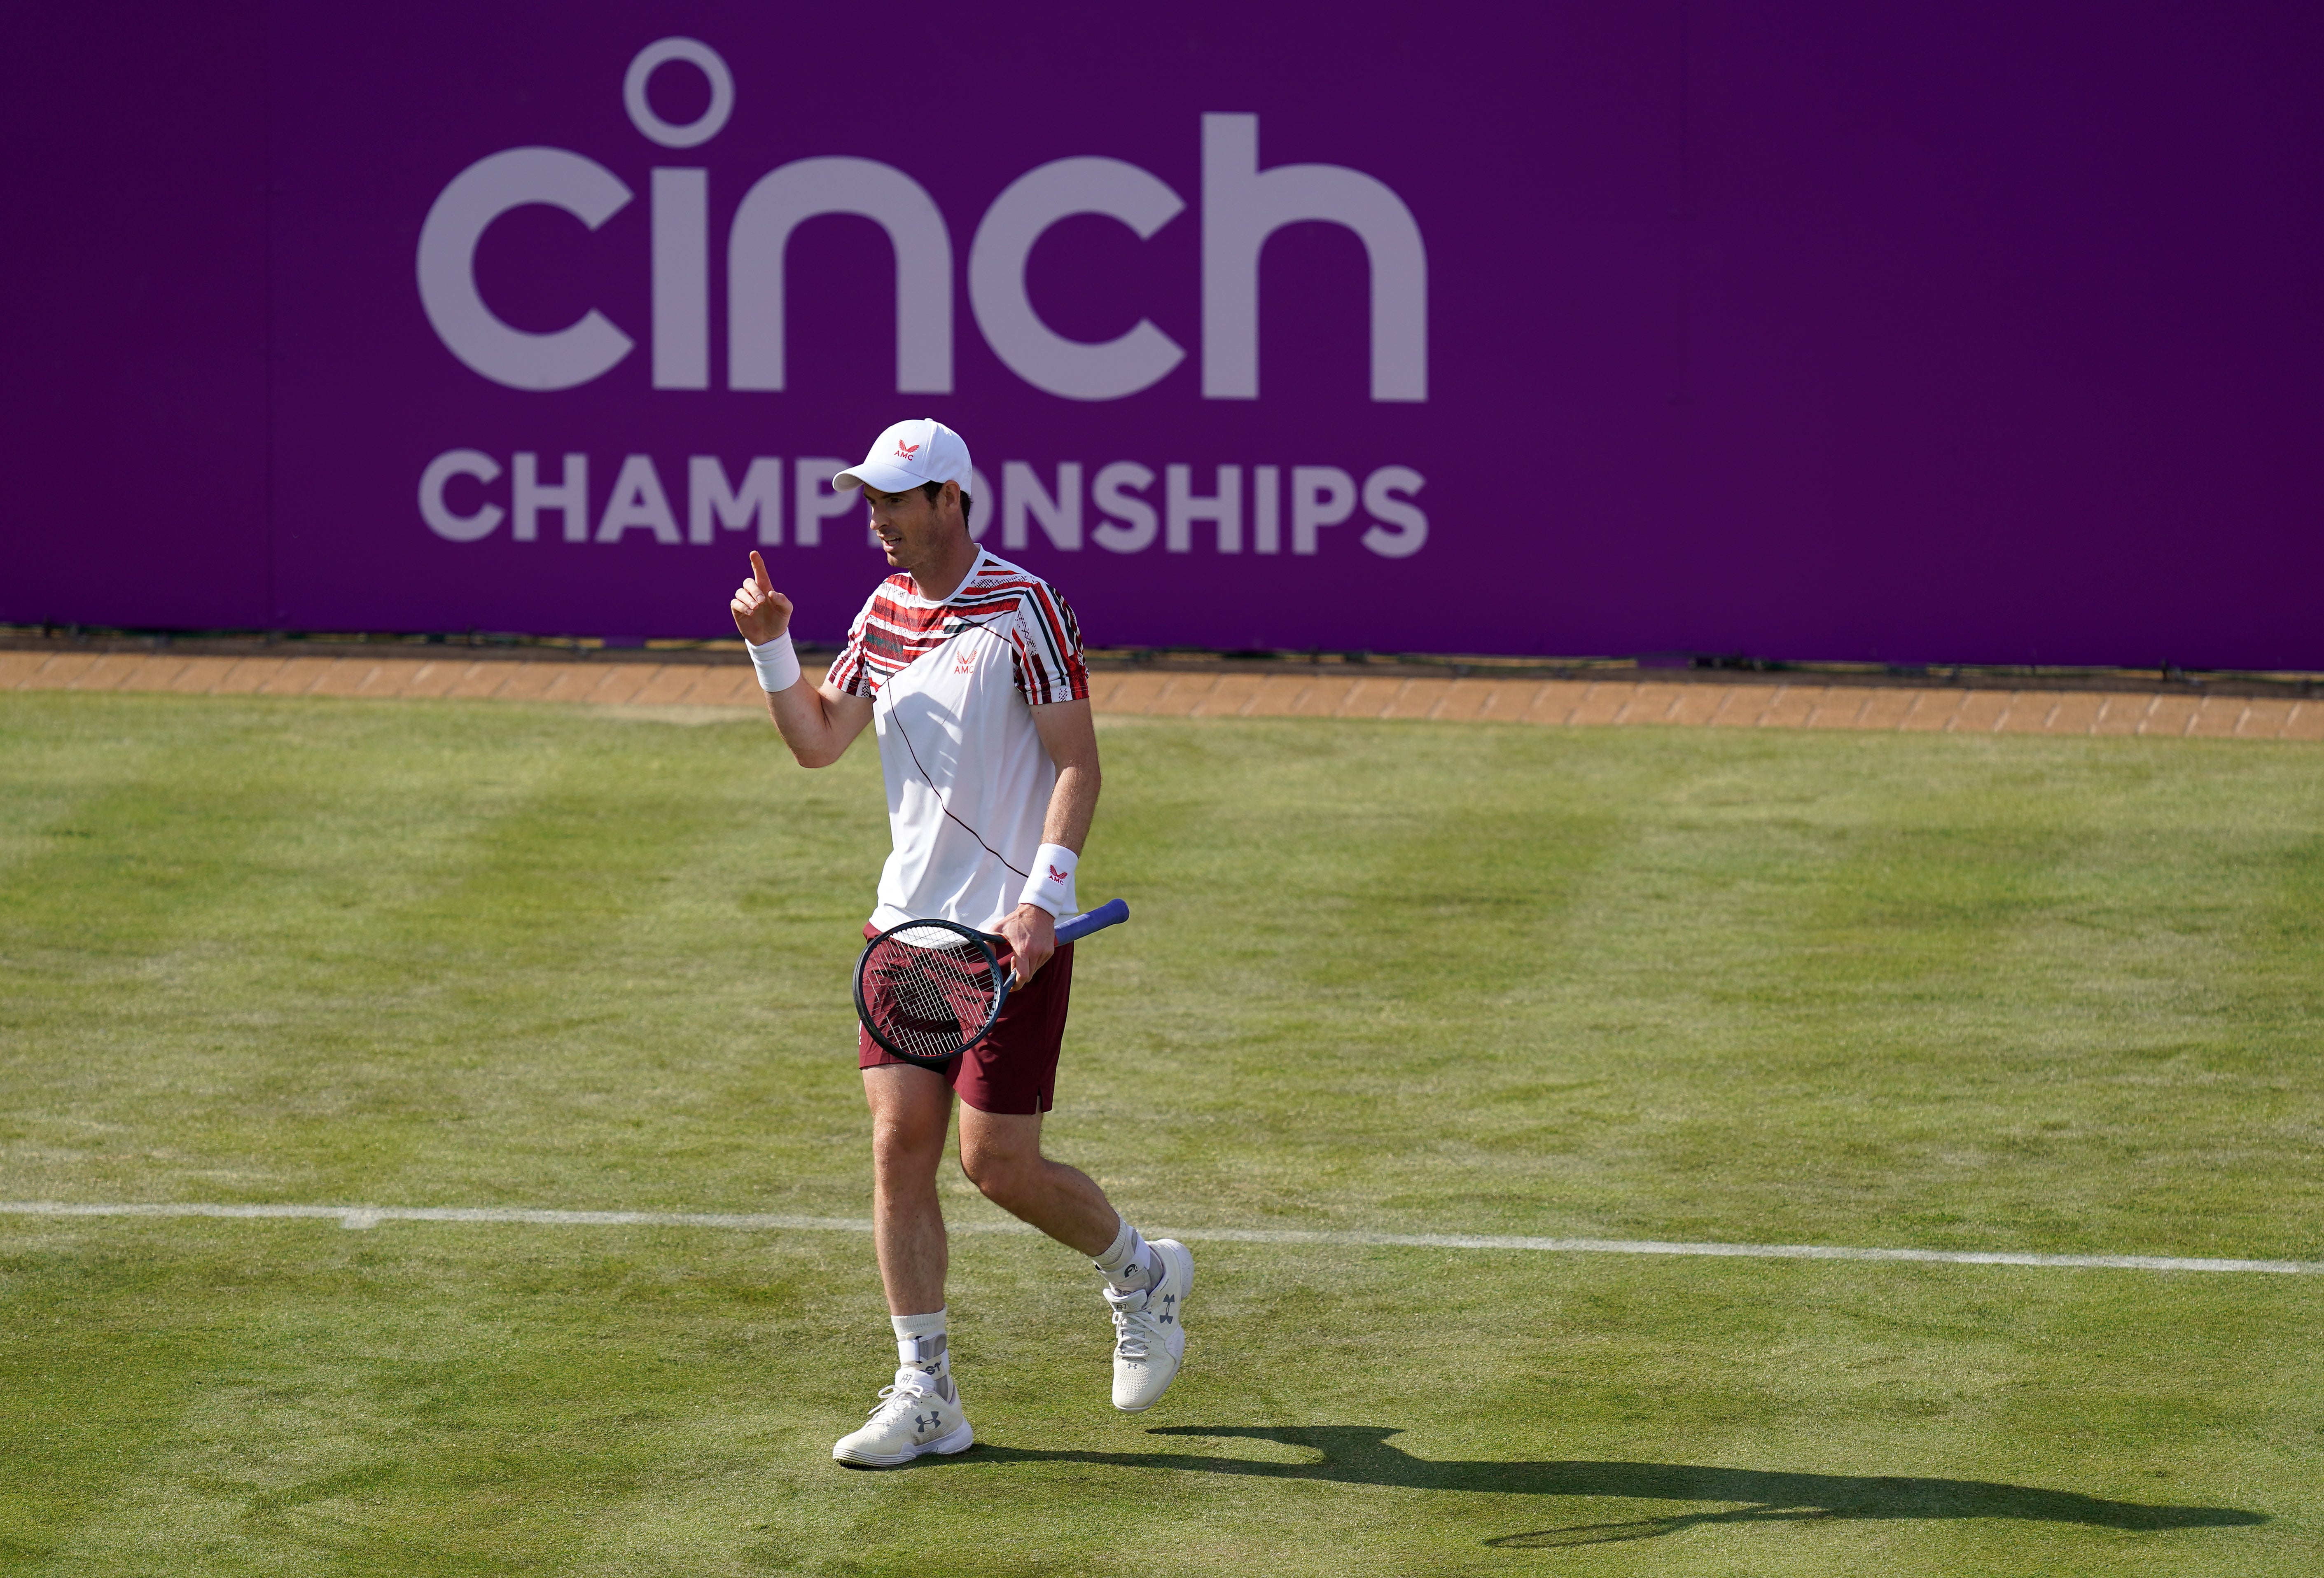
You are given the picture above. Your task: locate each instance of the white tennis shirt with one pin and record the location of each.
(953, 687)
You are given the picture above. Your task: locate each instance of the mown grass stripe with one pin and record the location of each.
(367, 1216)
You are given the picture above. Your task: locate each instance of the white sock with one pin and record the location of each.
(921, 1345)
(1128, 1264)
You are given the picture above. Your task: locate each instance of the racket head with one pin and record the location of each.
(927, 990)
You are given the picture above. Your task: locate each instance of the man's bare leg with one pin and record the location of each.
(911, 1108)
(1147, 1284)
(1000, 1152)
(922, 1411)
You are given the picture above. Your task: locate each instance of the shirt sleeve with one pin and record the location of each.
(849, 675)
(1048, 641)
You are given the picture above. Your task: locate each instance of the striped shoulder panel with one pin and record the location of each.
(1040, 624)
(899, 626)
(896, 626)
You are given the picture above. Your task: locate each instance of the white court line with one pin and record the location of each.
(367, 1216)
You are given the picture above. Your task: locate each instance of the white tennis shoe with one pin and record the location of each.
(1150, 1331)
(911, 1419)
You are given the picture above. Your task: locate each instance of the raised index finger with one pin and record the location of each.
(758, 570)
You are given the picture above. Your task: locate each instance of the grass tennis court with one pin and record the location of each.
(2029, 993)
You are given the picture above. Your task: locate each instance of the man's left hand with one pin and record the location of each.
(1032, 934)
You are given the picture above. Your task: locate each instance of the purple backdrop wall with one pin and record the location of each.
(1918, 333)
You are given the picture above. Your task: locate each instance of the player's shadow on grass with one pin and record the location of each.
(1360, 1454)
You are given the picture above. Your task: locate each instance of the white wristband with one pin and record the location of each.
(777, 663)
(1051, 885)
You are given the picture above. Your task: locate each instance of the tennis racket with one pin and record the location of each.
(929, 989)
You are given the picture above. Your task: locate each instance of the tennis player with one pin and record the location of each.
(969, 671)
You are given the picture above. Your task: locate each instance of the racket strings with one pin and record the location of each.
(928, 992)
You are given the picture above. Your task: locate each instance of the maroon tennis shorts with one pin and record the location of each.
(1014, 1069)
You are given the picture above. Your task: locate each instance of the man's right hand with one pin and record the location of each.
(760, 613)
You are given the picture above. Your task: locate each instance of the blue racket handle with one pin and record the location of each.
(1112, 912)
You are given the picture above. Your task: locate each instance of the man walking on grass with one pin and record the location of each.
(971, 672)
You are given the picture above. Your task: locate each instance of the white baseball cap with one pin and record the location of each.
(907, 456)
